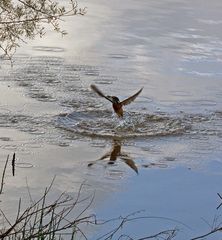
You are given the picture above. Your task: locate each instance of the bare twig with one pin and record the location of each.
(208, 234)
(221, 202)
(13, 165)
(3, 174)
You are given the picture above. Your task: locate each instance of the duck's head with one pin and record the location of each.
(114, 99)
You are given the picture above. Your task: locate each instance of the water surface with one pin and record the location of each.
(168, 145)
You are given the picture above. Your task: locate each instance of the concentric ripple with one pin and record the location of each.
(105, 124)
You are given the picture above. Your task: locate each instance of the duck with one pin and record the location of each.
(116, 103)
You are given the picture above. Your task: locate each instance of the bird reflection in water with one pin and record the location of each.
(116, 154)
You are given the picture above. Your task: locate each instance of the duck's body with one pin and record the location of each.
(117, 105)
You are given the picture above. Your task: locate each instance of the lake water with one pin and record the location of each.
(169, 160)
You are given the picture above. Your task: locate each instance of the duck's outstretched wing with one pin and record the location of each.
(132, 98)
(95, 89)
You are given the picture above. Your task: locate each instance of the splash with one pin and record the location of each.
(104, 124)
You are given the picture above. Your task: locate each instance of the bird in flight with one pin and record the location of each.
(117, 105)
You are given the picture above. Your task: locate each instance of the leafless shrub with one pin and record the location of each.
(42, 220)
